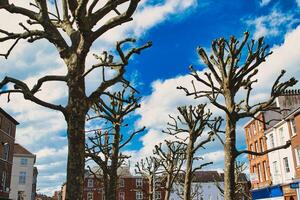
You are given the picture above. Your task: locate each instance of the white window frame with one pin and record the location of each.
(281, 135)
(90, 183)
(139, 195)
(121, 182)
(23, 161)
(297, 153)
(293, 127)
(90, 196)
(22, 178)
(287, 168)
(139, 182)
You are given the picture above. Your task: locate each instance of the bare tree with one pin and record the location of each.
(105, 147)
(230, 73)
(171, 158)
(242, 185)
(79, 20)
(149, 169)
(193, 122)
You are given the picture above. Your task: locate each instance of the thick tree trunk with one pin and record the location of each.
(189, 171)
(113, 178)
(76, 157)
(76, 114)
(229, 148)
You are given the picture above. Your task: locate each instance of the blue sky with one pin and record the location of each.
(176, 28)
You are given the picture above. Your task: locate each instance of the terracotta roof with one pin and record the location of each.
(18, 149)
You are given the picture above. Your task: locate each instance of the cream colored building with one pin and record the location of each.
(22, 174)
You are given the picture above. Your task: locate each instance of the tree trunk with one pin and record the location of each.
(229, 148)
(188, 174)
(113, 178)
(168, 187)
(76, 114)
(76, 150)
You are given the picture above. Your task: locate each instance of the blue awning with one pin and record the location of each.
(268, 192)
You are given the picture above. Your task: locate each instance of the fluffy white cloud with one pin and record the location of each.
(272, 24)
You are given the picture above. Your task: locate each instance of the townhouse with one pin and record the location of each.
(273, 175)
(7, 138)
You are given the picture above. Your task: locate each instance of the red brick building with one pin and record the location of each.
(129, 187)
(7, 139)
(256, 141)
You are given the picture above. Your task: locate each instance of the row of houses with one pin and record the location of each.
(276, 175)
(18, 176)
(206, 185)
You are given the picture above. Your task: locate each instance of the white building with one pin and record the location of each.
(281, 161)
(206, 185)
(22, 174)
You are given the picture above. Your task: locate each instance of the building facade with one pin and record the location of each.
(273, 176)
(22, 180)
(259, 168)
(129, 188)
(7, 138)
(281, 161)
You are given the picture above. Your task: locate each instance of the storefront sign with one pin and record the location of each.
(294, 185)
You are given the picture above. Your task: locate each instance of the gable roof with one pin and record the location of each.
(8, 116)
(19, 149)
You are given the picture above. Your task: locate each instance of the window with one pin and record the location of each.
(90, 183)
(24, 161)
(22, 178)
(90, 196)
(261, 142)
(265, 170)
(122, 196)
(260, 125)
(272, 141)
(139, 195)
(259, 173)
(256, 147)
(297, 152)
(139, 182)
(5, 151)
(248, 132)
(281, 135)
(293, 127)
(121, 182)
(157, 195)
(253, 128)
(8, 129)
(251, 148)
(275, 167)
(286, 164)
(4, 180)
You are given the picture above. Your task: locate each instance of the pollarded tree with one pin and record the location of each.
(83, 23)
(230, 73)
(172, 156)
(194, 127)
(149, 169)
(106, 145)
